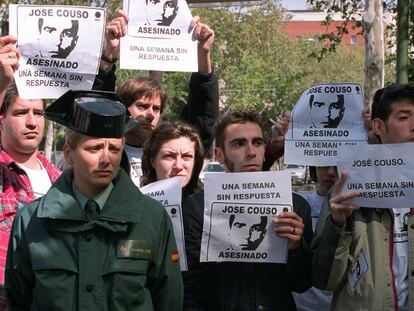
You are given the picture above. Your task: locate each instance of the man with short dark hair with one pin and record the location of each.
(25, 174)
(363, 254)
(243, 286)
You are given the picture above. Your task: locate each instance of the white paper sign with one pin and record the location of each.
(168, 193)
(60, 48)
(326, 117)
(238, 216)
(357, 271)
(159, 36)
(382, 174)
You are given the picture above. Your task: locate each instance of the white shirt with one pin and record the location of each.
(400, 257)
(39, 180)
(134, 156)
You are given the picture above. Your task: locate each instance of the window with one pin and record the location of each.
(353, 39)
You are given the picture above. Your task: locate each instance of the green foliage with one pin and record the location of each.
(351, 11)
(262, 67)
(259, 65)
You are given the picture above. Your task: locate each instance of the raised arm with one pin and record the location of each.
(114, 31)
(275, 147)
(9, 62)
(202, 108)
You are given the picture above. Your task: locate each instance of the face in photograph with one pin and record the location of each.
(247, 233)
(161, 12)
(326, 113)
(57, 38)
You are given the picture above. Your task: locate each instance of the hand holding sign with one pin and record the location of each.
(289, 226)
(279, 129)
(114, 30)
(205, 36)
(341, 211)
(9, 61)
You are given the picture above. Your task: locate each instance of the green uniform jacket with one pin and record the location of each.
(356, 262)
(126, 259)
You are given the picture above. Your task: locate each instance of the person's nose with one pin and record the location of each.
(178, 163)
(31, 121)
(104, 158)
(332, 171)
(251, 150)
(412, 125)
(149, 116)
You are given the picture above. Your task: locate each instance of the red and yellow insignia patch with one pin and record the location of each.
(175, 257)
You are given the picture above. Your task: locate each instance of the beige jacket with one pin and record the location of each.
(356, 262)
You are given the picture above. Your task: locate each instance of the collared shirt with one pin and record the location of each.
(15, 192)
(100, 198)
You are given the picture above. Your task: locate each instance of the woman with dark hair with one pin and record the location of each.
(173, 149)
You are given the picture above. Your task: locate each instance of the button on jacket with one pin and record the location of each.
(124, 259)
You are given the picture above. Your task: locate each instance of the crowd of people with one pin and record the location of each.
(88, 239)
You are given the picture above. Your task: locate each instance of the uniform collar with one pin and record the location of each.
(100, 198)
(122, 205)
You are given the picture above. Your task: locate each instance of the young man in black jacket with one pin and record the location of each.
(245, 286)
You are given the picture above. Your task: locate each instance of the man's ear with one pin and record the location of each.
(219, 154)
(378, 126)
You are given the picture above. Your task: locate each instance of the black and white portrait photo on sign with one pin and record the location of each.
(160, 12)
(239, 213)
(159, 36)
(327, 112)
(246, 233)
(57, 49)
(57, 38)
(325, 117)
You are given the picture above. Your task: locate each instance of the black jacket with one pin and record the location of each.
(242, 286)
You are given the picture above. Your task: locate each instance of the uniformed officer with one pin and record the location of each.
(94, 241)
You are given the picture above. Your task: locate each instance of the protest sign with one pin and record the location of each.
(168, 193)
(159, 36)
(382, 174)
(326, 117)
(57, 49)
(238, 216)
